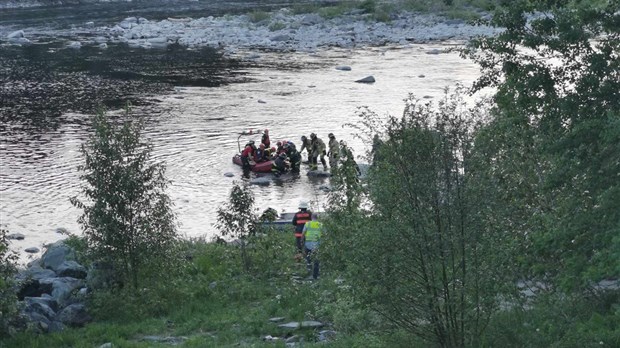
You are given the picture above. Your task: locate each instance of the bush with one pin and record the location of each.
(8, 298)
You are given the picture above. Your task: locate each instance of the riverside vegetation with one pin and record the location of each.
(463, 207)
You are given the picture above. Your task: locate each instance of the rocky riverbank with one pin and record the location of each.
(281, 30)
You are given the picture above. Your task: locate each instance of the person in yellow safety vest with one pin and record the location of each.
(312, 238)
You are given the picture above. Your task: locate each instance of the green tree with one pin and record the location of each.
(8, 298)
(237, 219)
(557, 134)
(127, 217)
(419, 255)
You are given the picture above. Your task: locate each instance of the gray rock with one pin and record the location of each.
(16, 236)
(367, 79)
(74, 315)
(433, 51)
(421, 76)
(343, 68)
(212, 285)
(103, 46)
(294, 339)
(16, 34)
(32, 250)
(36, 273)
(106, 345)
(276, 319)
(39, 323)
(280, 38)
(311, 19)
(40, 308)
(171, 340)
(62, 230)
(47, 301)
(71, 269)
(311, 324)
(56, 254)
(262, 101)
(22, 41)
(290, 325)
(326, 335)
(62, 288)
(260, 181)
(229, 174)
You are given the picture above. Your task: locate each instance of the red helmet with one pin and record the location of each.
(262, 146)
(273, 149)
(266, 130)
(279, 143)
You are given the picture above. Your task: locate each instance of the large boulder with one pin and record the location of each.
(71, 269)
(74, 315)
(33, 288)
(62, 288)
(56, 254)
(36, 273)
(40, 308)
(45, 299)
(367, 79)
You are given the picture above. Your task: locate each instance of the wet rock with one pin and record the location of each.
(421, 76)
(62, 230)
(367, 79)
(229, 174)
(343, 68)
(276, 319)
(433, 51)
(260, 181)
(74, 45)
(32, 250)
(16, 34)
(16, 236)
(262, 101)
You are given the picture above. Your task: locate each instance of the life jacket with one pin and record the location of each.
(313, 231)
(247, 152)
(301, 218)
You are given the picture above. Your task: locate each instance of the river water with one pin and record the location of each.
(194, 124)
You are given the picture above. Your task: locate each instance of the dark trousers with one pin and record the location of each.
(299, 241)
(312, 262)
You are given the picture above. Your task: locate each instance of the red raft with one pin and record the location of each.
(260, 167)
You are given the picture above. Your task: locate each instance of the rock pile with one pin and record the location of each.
(53, 289)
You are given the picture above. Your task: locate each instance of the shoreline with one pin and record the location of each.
(281, 31)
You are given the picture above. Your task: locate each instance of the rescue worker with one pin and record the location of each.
(312, 239)
(334, 151)
(305, 145)
(271, 153)
(318, 149)
(299, 220)
(260, 155)
(279, 165)
(265, 139)
(247, 154)
(279, 147)
(295, 158)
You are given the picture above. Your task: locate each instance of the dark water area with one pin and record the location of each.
(40, 82)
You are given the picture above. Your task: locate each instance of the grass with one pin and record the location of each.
(213, 303)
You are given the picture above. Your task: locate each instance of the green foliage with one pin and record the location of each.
(8, 298)
(275, 26)
(258, 16)
(127, 219)
(416, 252)
(558, 82)
(557, 320)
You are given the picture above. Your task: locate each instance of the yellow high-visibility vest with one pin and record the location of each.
(313, 231)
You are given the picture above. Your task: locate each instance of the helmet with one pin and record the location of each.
(266, 130)
(331, 135)
(279, 143)
(273, 149)
(303, 205)
(262, 146)
(312, 135)
(282, 155)
(303, 138)
(286, 145)
(251, 142)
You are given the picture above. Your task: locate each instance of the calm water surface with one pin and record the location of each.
(194, 130)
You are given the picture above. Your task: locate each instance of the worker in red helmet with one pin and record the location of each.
(260, 154)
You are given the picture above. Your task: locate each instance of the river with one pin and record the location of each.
(196, 103)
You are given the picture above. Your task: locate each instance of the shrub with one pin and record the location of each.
(8, 298)
(127, 216)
